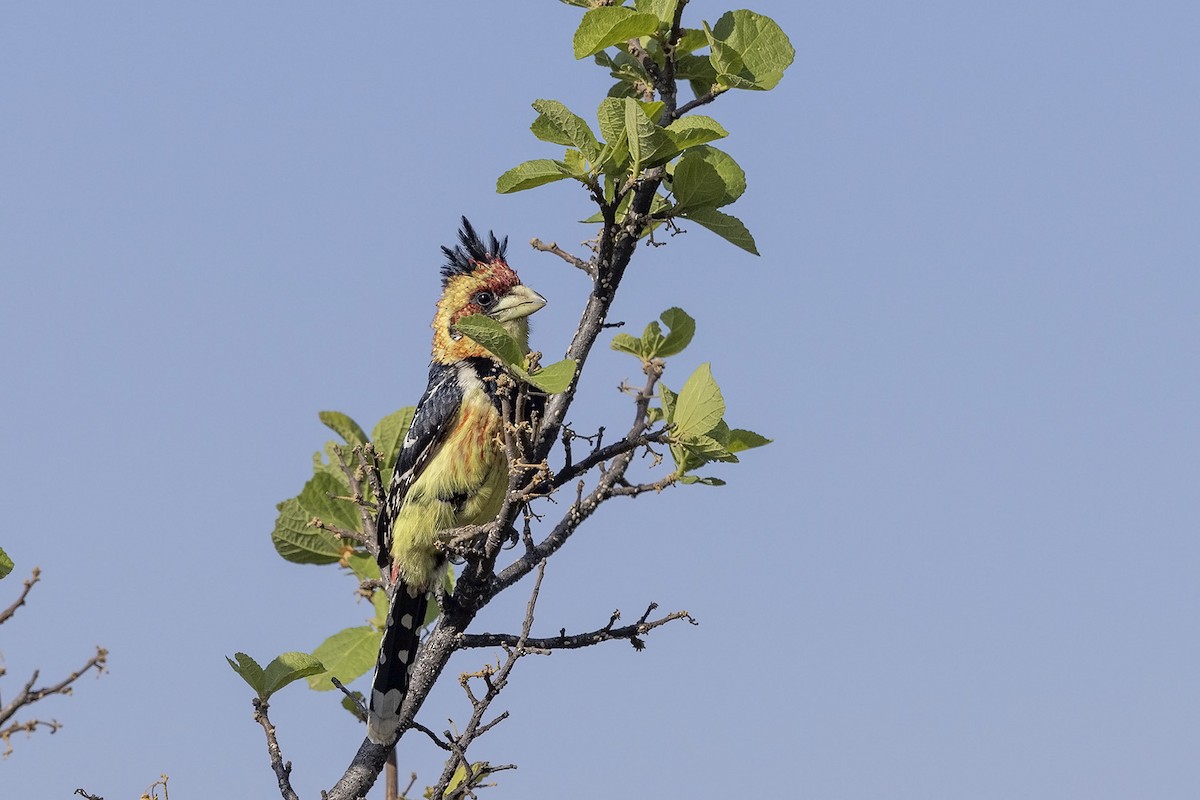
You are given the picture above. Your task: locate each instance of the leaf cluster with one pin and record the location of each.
(646, 51)
(696, 414)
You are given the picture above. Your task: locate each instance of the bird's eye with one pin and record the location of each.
(485, 299)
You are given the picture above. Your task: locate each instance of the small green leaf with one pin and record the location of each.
(731, 176)
(363, 565)
(346, 655)
(726, 226)
(700, 405)
(749, 51)
(286, 668)
(250, 671)
(315, 498)
(6, 563)
(706, 448)
(379, 600)
(354, 704)
(663, 9)
(530, 174)
(697, 69)
(343, 426)
(703, 481)
(388, 436)
(608, 25)
(611, 118)
(491, 334)
(690, 131)
(741, 439)
(624, 343)
(649, 144)
(668, 400)
(576, 164)
(554, 378)
(682, 328)
(696, 184)
(556, 123)
(692, 40)
(300, 543)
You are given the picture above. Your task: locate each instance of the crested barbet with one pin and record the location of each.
(452, 469)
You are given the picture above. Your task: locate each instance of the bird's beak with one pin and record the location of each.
(520, 301)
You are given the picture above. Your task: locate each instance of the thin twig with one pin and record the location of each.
(574, 261)
(702, 100)
(26, 586)
(282, 769)
(577, 640)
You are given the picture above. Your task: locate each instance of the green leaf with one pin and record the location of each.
(250, 671)
(749, 51)
(697, 69)
(636, 124)
(698, 479)
(388, 436)
(354, 704)
(696, 184)
(363, 565)
(726, 226)
(608, 25)
(556, 123)
(731, 176)
(700, 406)
(6, 563)
(663, 9)
(300, 543)
(343, 426)
(624, 343)
(491, 334)
(315, 499)
(611, 117)
(741, 439)
(682, 328)
(346, 655)
(576, 164)
(706, 448)
(668, 400)
(286, 668)
(379, 600)
(530, 174)
(554, 378)
(695, 130)
(692, 40)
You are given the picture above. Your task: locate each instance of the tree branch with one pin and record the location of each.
(575, 641)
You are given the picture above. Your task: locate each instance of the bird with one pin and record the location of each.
(452, 469)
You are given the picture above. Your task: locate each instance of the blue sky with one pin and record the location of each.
(967, 566)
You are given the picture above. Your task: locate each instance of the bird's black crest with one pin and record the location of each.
(471, 251)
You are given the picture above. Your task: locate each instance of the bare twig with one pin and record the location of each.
(578, 640)
(353, 698)
(29, 695)
(574, 261)
(702, 100)
(282, 769)
(570, 472)
(7, 613)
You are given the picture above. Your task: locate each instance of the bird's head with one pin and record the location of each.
(477, 280)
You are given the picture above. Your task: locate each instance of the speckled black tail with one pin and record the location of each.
(396, 655)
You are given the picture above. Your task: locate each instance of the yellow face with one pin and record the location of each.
(492, 289)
